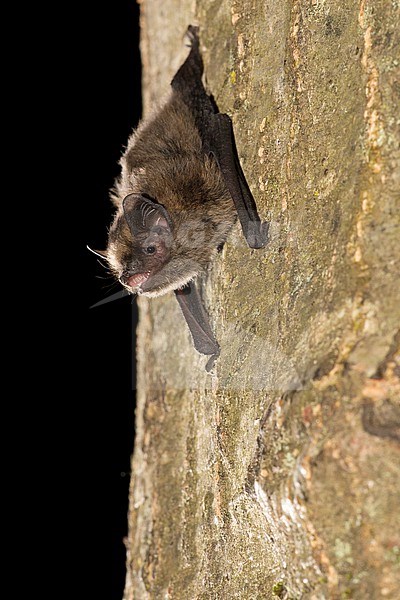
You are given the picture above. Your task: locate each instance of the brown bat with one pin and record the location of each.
(180, 191)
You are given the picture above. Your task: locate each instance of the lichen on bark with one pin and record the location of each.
(278, 475)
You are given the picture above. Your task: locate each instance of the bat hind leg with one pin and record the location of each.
(196, 318)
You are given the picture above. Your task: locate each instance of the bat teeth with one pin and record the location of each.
(137, 280)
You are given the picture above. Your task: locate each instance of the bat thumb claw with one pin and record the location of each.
(192, 33)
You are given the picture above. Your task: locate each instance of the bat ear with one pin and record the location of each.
(143, 214)
(100, 253)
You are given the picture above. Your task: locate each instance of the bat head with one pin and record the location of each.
(153, 251)
(140, 242)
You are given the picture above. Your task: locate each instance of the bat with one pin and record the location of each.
(180, 191)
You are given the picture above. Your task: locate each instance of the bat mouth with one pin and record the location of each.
(137, 280)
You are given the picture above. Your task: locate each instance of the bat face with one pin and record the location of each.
(149, 253)
(140, 244)
(152, 253)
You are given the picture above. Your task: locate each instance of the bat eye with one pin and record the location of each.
(150, 249)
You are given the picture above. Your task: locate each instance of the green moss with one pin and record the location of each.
(278, 589)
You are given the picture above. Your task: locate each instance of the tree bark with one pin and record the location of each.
(278, 475)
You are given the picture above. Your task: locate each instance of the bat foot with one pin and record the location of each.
(211, 362)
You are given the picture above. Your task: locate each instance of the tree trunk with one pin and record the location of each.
(278, 475)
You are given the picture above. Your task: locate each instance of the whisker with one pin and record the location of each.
(114, 283)
(104, 265)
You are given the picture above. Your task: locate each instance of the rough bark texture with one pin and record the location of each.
(279, 474)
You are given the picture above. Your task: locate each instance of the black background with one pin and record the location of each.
(106, 96)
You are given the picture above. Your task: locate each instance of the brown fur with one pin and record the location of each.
(165, 160)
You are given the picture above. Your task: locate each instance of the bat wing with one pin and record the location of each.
(224, 149)
(217, 134)
(196, 317)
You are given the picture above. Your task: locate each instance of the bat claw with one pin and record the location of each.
(211, 362)
(192, 34)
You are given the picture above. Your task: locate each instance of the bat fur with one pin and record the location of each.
(165, 160)
(180, 191)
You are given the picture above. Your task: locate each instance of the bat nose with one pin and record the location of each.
(125, 276)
